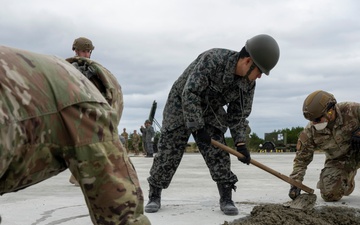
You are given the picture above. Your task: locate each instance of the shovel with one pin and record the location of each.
(303, 201)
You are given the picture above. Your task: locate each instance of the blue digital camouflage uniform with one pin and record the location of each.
(208, 94)
(341, 164)
(53, 118)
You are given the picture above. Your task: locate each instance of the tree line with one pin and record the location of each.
(253, 142)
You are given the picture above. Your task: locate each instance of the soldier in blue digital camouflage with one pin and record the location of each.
(334, 129)
(53, 118)
(214, 93)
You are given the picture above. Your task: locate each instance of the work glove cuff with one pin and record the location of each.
(241, 148)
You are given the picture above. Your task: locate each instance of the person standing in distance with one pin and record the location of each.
(149, 138)
(195, 105)
(135, 140)
(82, 47)
(126, 138)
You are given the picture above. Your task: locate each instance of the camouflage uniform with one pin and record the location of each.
(53, 118)
(341, 164)
(126, 138)
(135, 142)
(143, 137)
(105, 82)
(197, 100)
(149, 142)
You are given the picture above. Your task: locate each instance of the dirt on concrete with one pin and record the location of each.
(277, 214)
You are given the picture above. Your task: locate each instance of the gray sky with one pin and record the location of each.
(147, 45)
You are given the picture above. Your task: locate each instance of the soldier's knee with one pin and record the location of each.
(331, 196)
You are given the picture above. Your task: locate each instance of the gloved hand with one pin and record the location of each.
(243, 150)
(294, 192)
(355, 140)
(203, 136)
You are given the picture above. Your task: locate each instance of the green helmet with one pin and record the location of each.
(317, 103)
(82, 43)
(264, 51)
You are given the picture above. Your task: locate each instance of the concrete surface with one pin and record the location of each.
(192, 197)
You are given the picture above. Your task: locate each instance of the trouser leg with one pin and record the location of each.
(334, 183)
(226, 203)
(106, 175)
(217, 160)
(219, 164)
(109, 183)
(171, 147)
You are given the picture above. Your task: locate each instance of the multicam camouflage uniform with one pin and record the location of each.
(135, 142)
(105, 83)
(126, 138)
(341, 164)
(197, 100)
(53, 118)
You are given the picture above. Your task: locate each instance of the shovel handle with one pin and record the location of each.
(263, 167)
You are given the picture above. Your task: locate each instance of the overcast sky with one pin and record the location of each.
(147, 44)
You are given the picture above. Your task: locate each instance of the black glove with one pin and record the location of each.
(203, 136)
(243, 150)
(355, 140)
(294, 192)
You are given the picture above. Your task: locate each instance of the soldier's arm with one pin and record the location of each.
(197, 82)
(304, 156)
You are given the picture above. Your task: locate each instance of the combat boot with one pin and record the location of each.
(154, 203)
(226, 203)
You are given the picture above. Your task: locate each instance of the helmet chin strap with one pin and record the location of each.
(252, 67)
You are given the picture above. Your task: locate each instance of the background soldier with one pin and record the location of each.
(333, 128)
(143, 137)
(149, 139)
(126, 137)
(82, 47)
(44, 130)
(135, 139)
(195, 105)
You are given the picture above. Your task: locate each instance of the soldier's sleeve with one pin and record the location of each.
(104, 80)
(196, 83)
(238, 112)
(304, 156)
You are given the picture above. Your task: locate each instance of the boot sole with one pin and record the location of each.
(233, 212)
(151, 210)
(152, 207)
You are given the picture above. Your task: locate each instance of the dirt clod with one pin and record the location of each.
(276, 214)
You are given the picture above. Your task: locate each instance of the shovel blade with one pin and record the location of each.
(303, 202)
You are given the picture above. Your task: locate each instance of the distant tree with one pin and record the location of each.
(229, 142)
(292, 134)
(254, 141)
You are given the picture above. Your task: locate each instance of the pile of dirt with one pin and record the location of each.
(276, 214)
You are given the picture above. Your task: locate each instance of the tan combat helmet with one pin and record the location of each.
(317, 103)
(82, 43)
(264, 51)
